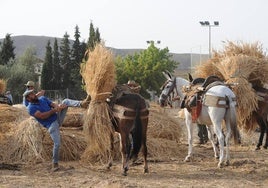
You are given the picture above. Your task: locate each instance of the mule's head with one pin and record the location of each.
(167, 89)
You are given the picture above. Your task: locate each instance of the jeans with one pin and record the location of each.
(54, 129)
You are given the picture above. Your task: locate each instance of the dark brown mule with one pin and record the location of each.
(261, 115)
(130, 120)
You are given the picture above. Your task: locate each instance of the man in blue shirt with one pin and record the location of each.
(51, 116)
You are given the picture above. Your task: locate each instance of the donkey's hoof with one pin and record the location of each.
(257, 148)
(146, 171)
(220, 165)
(227, 163)
(187, 159)
(265, 147)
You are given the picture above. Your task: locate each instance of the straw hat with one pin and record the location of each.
(30, 83)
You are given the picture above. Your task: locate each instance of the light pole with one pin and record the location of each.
(153, 42)
(207, 24)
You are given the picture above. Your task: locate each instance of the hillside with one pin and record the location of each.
(22, 42)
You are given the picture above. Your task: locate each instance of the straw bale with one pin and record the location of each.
(206, 69)
(74, 117)
(2, 86)
(98, 131)
(31, 143)
(9, 116)
(163, 149)
(98, 73)
(242, 65)
(163, 126)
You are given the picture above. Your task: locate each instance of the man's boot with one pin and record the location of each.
(85, 103)
(55, 167)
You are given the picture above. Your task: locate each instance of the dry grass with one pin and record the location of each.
(23, 140)
(3, 85)
(99, 76)
(240, 65)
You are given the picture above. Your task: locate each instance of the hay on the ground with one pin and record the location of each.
(30, 143)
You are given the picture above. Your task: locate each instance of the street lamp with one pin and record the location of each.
(207, 24)
(153, 42)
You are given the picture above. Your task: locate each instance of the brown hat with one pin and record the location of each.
(30, 83)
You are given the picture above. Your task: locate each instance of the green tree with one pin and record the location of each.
(76, 57)
(57, 71)
(28, 59)
(145, 68)
(7, 50)
(46, 78)
(94, 37)
(65, 59)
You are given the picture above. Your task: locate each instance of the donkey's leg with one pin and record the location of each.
(266, 139)
(124, 154)
(189, 125)
(144, 145)
(210, 137)
(263, 130)
(144, 151)
(227, 141)
(110, 163)
(220, 137)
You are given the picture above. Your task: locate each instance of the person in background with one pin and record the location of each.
(51, 116)
(10, 98)
(134, 87)
(202, 133)
(30, 86)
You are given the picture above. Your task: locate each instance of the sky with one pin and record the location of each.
(128, 24)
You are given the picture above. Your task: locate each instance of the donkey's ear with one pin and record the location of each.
(190, 78)
(167, 75)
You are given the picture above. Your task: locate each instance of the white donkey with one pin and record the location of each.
(210, 114)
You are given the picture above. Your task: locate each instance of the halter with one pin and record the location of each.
(171, 89)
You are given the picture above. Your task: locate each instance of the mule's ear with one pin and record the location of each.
(167, 76)
(190, 78)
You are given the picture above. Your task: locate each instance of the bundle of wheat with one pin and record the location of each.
(243, 66)
(98, 73)
(163, 126)
(29, 142)
(9, 115)
(2, 86)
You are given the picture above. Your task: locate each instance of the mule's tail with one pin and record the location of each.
(233, 120)
(136, 134)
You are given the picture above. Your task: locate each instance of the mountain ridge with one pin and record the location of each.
(22, 42)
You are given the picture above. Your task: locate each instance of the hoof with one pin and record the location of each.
(146, 171)
(220, 165)
(257, 148)
(227, 163)
(125, 171)
(187, 159)
(265, 147)
(109, 166)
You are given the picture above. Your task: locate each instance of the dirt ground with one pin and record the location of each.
(249, 168)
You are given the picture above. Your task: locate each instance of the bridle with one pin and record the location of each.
(167, 97)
